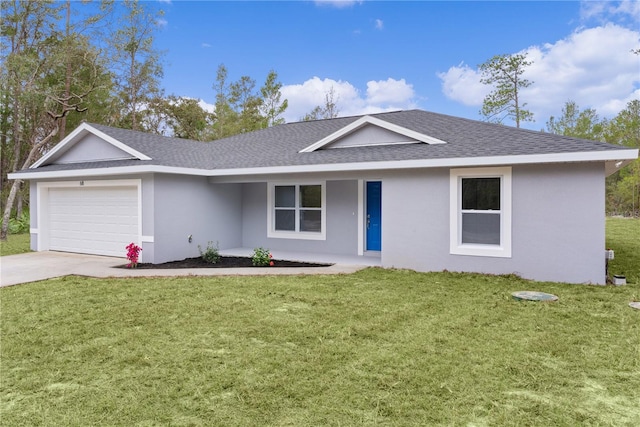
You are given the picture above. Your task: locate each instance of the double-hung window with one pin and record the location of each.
(297, 211)
(480, 212)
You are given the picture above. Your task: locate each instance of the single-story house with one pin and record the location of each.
(409, 189)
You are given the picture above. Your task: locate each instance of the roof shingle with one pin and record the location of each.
(280, 145)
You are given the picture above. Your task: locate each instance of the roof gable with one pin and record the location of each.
(371, 131)
(88, 144)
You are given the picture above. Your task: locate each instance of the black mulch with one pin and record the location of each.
(225, 262)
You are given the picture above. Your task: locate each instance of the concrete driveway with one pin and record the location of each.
(34, 266)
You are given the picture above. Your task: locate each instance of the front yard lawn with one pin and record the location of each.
(15, 244)
(379, 347)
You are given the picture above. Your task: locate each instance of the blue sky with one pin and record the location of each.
(380, 56)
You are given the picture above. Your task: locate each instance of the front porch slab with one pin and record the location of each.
(367, 260)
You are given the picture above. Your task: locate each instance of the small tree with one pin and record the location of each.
(329, 110)
(240, 107)
(272, 107)
(504, 73)
(580, 124)
(136, 63)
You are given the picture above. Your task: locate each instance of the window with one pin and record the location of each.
(296, 211)
(480, 212)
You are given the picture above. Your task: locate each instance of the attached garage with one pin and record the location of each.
(91, 217)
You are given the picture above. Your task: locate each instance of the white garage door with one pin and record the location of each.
(93, 220)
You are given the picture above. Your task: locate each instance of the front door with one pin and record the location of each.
(374, 216)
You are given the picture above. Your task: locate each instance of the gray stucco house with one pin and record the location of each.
(408, 189)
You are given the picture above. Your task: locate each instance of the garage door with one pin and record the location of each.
(93, 220)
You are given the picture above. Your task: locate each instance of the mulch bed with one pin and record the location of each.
(225, 262)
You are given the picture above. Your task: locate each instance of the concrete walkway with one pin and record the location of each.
(34, 266)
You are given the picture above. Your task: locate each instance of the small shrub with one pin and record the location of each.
(133, 252)
(211, 254)
(18, 225)
(262, 257)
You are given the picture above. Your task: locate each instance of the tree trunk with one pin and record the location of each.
(15, 187)
(132, 93)
(8, 207)
(67, 80)
(19, 203)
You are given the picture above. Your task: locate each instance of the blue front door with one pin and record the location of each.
(374, 215)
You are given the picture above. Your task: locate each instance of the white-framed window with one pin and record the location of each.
(296, 210)
(480, 212)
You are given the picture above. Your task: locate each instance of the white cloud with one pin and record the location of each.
(206, 45)
(209, 108)
(593, 67)
(162, 22)
(383, 95)
(462, 83)
(338, 3)
(389, 91)
(606, 10)
(379, 24)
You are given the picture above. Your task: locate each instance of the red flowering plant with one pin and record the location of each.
(262, 258)
(133, 253)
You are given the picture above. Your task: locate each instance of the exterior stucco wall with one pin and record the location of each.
(558, 230)
(342, 220)
(185, 206)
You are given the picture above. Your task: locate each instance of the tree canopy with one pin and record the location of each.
(240, 107)
(581, 124)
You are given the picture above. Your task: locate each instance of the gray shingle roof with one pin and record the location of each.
(280, 145)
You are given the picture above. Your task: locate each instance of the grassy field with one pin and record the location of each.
(15, 244)
(379, 347)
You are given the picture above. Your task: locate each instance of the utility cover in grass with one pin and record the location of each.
(533, 296)
(635, 304)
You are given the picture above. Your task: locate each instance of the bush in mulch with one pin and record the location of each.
(224, 262)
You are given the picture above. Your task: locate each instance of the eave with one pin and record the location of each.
(615, 159)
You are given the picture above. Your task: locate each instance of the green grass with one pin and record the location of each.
(379, 347)
(15, 244)
(623, 236)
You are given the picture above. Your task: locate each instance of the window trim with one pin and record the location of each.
(456, 247)
(303, 235)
